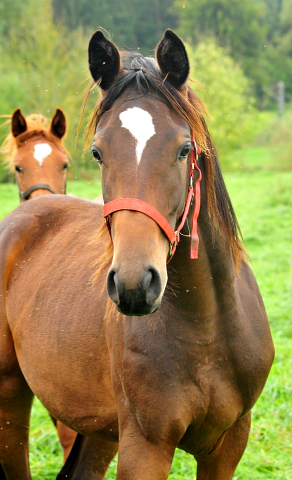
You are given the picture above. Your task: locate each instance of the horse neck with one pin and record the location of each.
(204, 285)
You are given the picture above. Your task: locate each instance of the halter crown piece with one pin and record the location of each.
(143, 207)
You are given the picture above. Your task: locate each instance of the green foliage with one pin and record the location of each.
(257, 33)
(44, 67)
(278, 54)
(236, 25)
(280, 142)
(132, 24)
(226, 92)
(10, 16)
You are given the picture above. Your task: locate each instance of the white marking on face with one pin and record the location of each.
(140, 125)
(41, 151)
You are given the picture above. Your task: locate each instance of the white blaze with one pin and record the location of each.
(41, 151)
(140, 125)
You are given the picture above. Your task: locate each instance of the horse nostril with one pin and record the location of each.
(112, 287)
(152, 285)
(136, 296)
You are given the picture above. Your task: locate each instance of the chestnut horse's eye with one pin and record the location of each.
(97, 155)
(18, 169)
(185, 151)
(65, 166)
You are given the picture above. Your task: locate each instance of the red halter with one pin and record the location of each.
(143, 207)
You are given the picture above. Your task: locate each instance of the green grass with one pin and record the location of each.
(263, 202)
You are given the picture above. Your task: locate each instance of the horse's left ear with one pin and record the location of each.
(173, 60)
(18, 123)
(58, 124)
(104, 60)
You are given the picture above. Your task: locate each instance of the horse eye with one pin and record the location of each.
(18, 169)
(65, 166)
(185, 151)
(97, 155)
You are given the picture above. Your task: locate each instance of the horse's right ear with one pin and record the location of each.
(18, 123)
(104, 60)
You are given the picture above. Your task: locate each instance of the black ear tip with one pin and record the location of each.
(98, 35)
(17, 111)
(170, 35)
(60, 112)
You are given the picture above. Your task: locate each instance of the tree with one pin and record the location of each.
(226, 92)
(132, 24)
(236, 25)
(10, 16)
(278, 55)
(44, 67)
(239, 26)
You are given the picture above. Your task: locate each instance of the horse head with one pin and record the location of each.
(143, 144)
(39, 160)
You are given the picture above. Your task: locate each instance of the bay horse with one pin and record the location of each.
(34, 151)
(139, 348)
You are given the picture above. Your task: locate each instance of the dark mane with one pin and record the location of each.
(143, 77)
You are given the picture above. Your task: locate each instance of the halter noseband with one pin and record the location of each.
(38, 186)
(25, 195)
(143, 207)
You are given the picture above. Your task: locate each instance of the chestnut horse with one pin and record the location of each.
(185, 376)
(35, 152)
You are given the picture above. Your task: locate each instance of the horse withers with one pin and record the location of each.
(35, 152)
(136, 346)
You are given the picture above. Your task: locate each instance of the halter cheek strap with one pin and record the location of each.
(143, 207)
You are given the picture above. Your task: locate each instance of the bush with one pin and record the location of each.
(280, 139)
(225, 91)
(43, 66)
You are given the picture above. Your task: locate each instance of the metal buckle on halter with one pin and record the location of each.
(172, 246)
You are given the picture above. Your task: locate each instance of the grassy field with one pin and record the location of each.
(263, 202)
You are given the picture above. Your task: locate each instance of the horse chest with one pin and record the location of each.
(176, 387)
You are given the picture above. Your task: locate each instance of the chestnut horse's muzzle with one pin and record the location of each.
(142, 300)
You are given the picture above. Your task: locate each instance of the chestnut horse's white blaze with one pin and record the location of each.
(140, 125)
(41, 151)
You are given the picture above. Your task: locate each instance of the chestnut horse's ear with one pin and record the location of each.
(104, 60)
(172, 59)
(58, 124)
(18, 123)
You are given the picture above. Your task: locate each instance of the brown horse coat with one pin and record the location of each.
(187, 375)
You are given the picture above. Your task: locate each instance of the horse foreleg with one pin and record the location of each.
(222, 462)
(15, 406)
(89, 459)
(141, 459)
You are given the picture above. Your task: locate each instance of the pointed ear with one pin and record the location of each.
(172, 59)
(58, 124)
(18, 123)
(104, 60)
